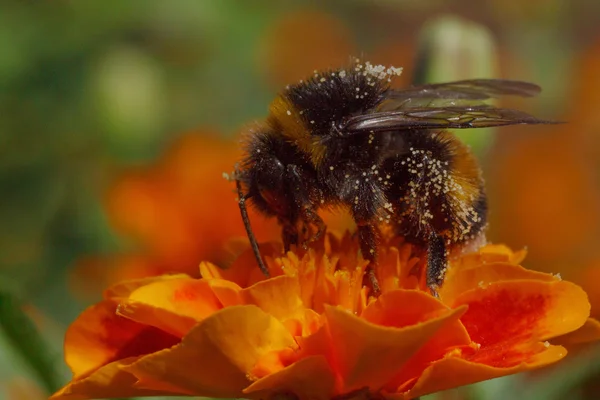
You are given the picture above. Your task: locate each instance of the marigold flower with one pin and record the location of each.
(313, 331)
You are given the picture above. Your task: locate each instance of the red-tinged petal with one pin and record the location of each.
(189, 297)
(279, 296)
(506, 354)
(418, 307)
(124, 288)
(100, 336)
(214, 358)
(460, 280)
(371, 355)
(174, 324)
(523, 310)
(110, 381)
(453, 372)
(588, 333)
(172, 305)
(308, 378)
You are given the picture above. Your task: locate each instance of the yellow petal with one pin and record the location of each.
(215, 356)
(108, 382)
(308, 378)
(365, 354)
(227, 292)
(279, 296)
(454, 372)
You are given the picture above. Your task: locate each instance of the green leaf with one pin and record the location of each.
(20, 332)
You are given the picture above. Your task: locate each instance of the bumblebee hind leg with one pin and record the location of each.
(368, 237)
(437, 263)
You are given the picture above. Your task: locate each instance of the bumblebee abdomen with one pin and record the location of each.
(436, 188)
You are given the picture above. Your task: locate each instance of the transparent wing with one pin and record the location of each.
(473, 89)
(439, 118)
(459, 104)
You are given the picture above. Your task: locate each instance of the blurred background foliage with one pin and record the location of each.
(89, 89)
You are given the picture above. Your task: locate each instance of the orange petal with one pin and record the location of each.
(244, 271)
(490, 253)
(365, 354)
(391, 308)
(227, 292)
(108, 382)
(387, 312)
(99, 336)
(305, 323)
(453, 372)
(279, 296)
(460, 280)
(215, 356)
(308, 378)
(589, 332)
(523, 310)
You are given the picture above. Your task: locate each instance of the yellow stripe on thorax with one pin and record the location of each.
(287, 117)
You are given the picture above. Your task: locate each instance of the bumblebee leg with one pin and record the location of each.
(437, 263)
(289, 234)
(311, 217)
(368, 237)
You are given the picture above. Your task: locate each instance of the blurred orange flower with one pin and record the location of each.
(313, 331)
(178, 211)
(548, 181)
(303, 41)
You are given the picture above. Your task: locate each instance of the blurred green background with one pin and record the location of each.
(89, 87)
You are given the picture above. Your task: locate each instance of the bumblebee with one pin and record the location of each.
(344, 138)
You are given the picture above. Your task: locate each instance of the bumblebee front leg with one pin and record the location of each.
(437, 263)
(302, 200)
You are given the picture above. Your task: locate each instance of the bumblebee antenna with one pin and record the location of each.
(244, 211)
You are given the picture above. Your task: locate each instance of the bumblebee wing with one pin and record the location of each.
(454, 117)
(472, 89)
(455, 105)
